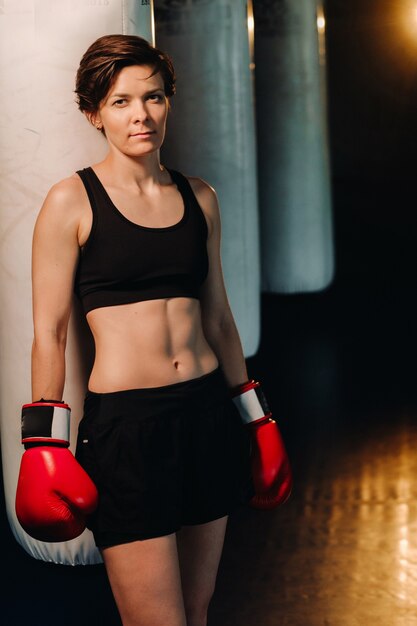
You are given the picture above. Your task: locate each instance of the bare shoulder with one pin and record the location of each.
(66, 201)
(67, 191)
(203, 190)
(207, 198)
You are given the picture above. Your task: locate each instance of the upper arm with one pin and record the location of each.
(213, 297)
(55, 252)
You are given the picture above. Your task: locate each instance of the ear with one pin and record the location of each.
(95, 120)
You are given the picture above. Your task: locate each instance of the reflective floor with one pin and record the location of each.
(343, 550)
(340, 371)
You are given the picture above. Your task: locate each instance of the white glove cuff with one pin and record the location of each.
(251, 402)
(42, 421)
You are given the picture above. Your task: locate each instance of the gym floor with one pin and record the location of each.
(338, 368)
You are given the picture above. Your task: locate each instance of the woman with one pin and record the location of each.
(161, 437)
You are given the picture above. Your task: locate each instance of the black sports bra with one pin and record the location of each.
(123, 262)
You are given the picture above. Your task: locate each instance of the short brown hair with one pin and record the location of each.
(104, 59)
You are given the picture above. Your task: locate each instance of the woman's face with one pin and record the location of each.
(134, 112)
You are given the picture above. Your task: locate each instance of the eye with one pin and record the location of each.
(155, 96)
(120, 102)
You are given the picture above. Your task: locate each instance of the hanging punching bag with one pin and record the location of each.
(44, 138)
(293, 153)
(211, 133)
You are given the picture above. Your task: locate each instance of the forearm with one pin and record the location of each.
(225, 341)
(48, 369)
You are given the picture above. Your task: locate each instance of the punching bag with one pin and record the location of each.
(293, 152)
(44, 138)
(211, 133)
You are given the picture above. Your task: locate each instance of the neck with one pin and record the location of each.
(120, 169)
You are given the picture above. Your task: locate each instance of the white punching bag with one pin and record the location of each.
(293, 152)
(211, 133)
(44, 138)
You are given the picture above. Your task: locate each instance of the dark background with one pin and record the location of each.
(346, 351)
(372, 85)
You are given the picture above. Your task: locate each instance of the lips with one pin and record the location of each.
(148, 132)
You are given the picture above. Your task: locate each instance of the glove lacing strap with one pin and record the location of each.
(44, 422)
(251, 402)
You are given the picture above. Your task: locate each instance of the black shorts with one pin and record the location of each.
(163, 457)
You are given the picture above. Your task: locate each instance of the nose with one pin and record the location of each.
(140, 113)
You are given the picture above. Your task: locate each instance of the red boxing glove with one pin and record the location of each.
(54, 493)
(271, 470)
